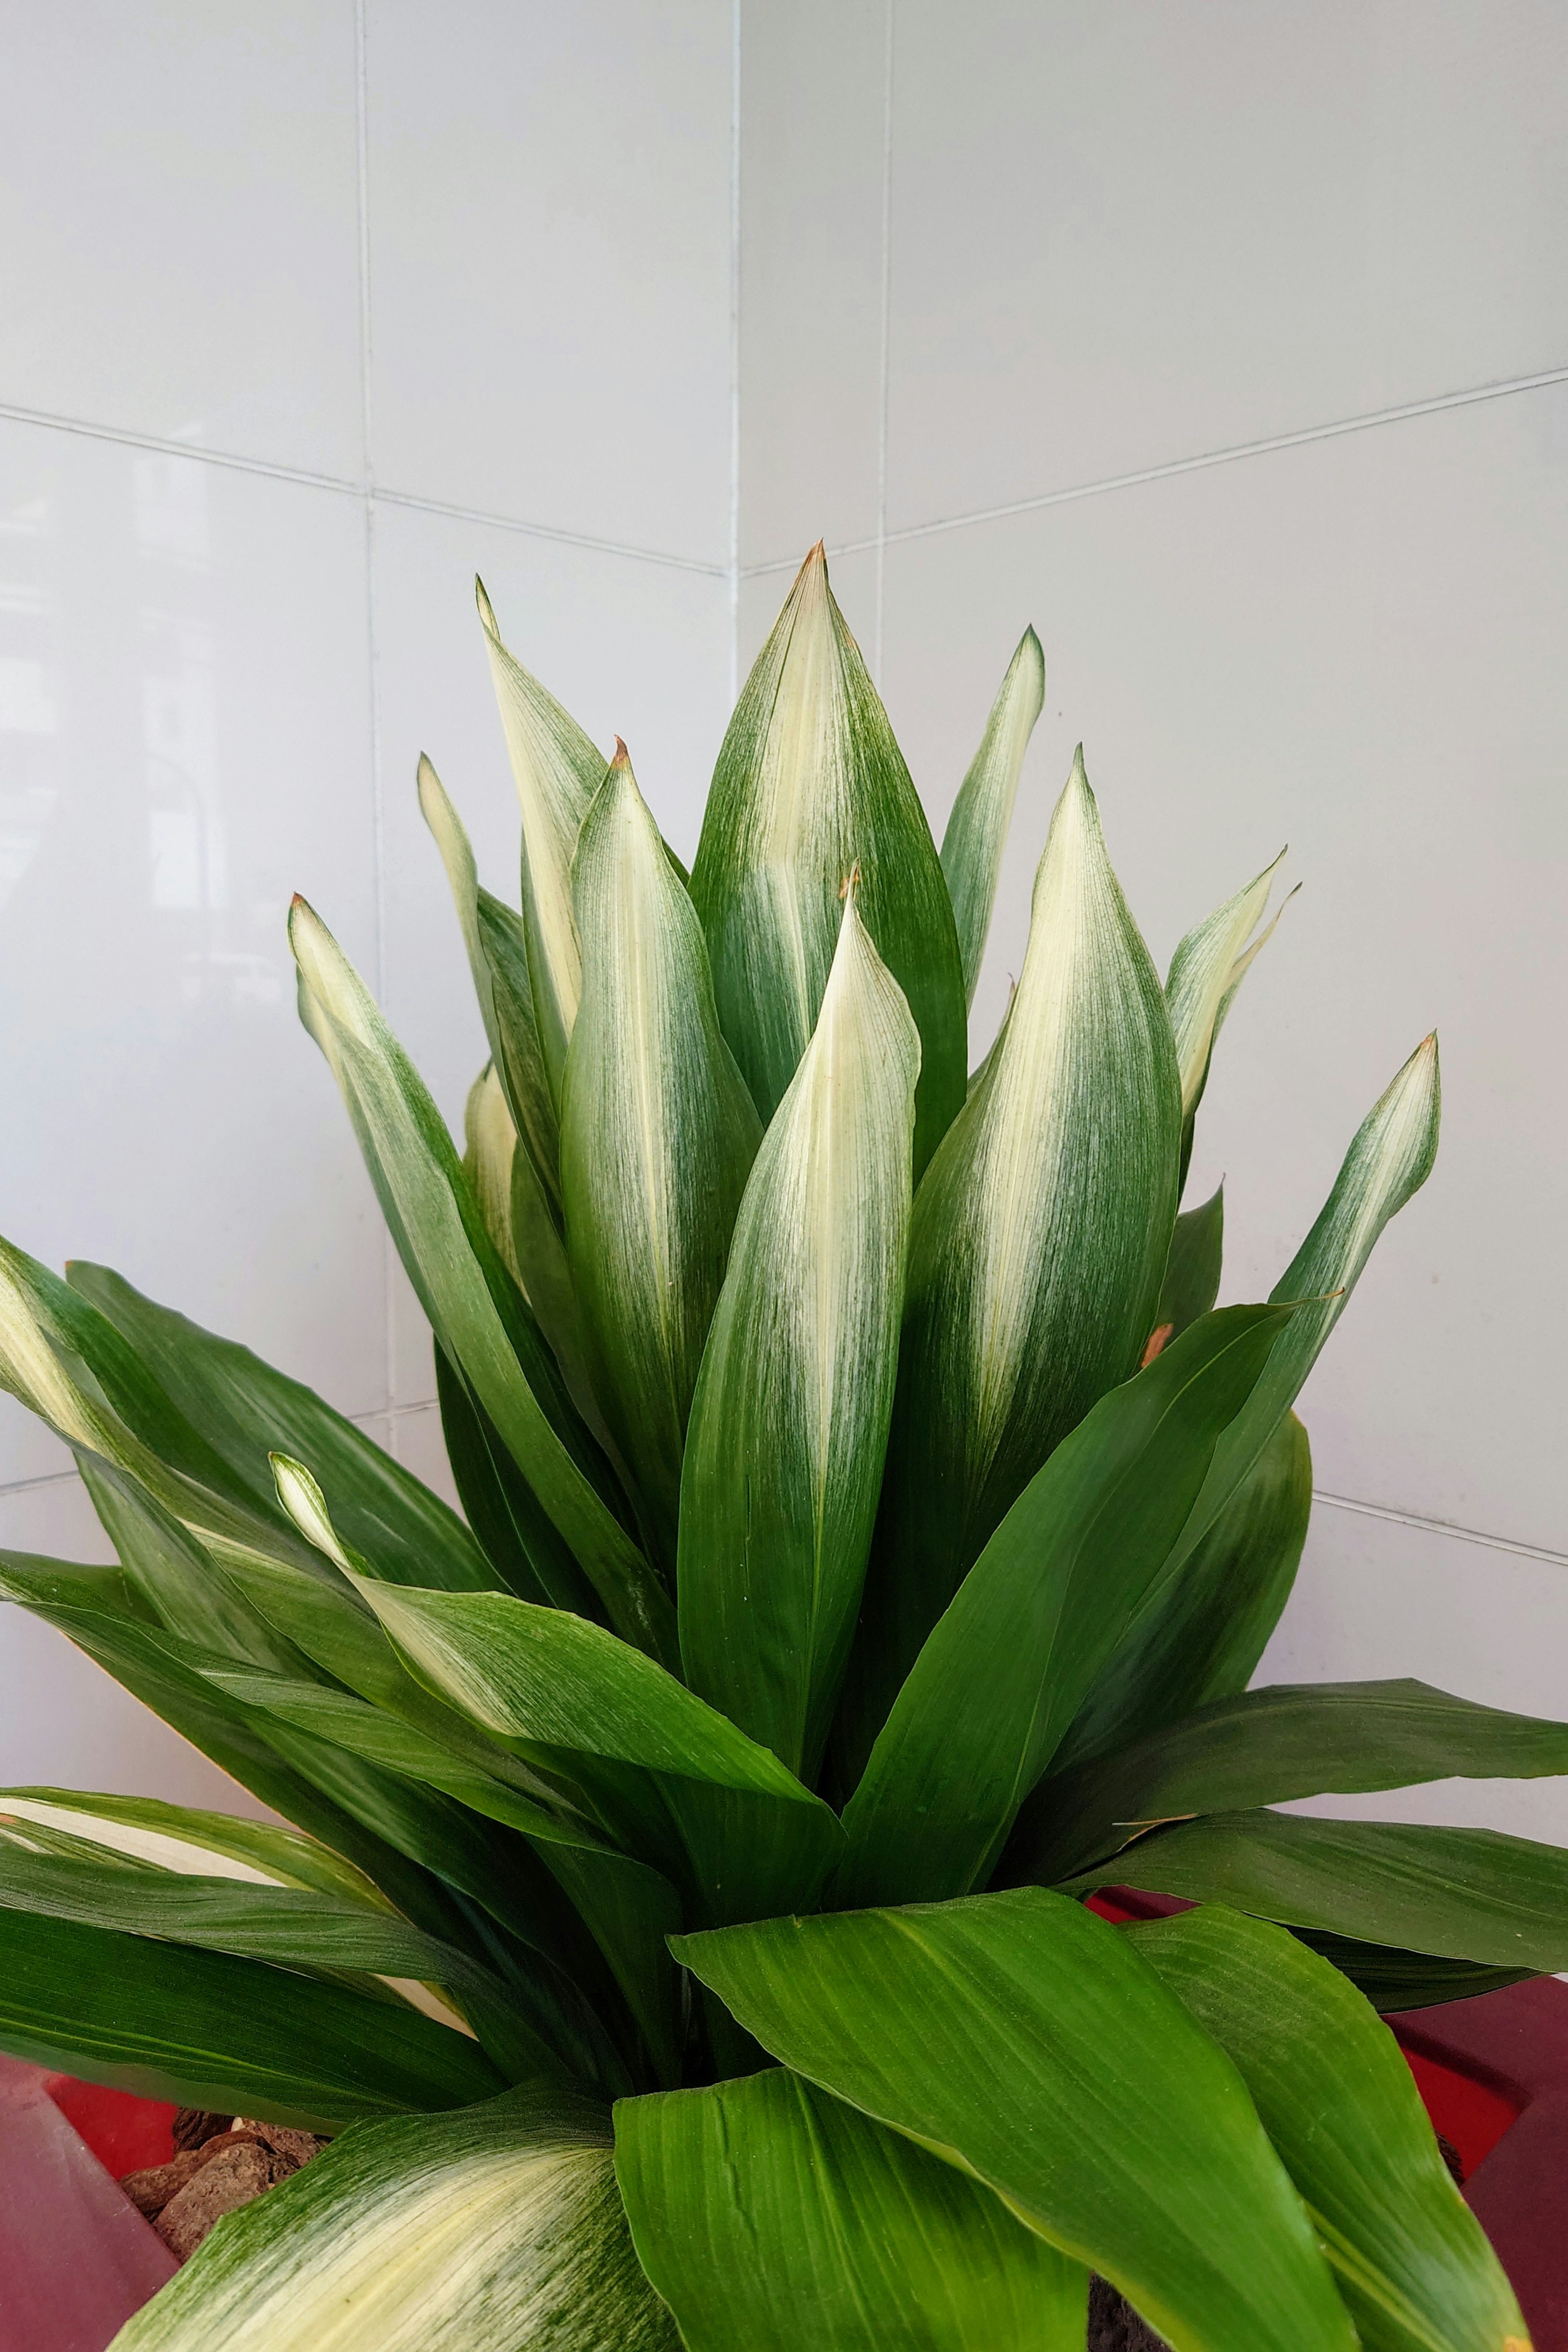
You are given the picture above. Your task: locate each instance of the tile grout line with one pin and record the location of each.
(372, 652)
(734, 569)
(886, 338)
(230, 461)
(1441, 1528)
(1441, 401)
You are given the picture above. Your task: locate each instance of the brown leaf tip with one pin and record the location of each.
(623, 757)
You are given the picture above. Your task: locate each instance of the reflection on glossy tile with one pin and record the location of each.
(549, 254)
(179, 225)
(1376, 1600)
(812, 84)
(1355, 647)
(639, 649)
(1113, 248)
(64, 1723)
(183, 703)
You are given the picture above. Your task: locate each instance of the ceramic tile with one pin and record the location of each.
(419, 1445)
(550, 260)
(184, 740)
(1117, 243)
(1376, 1600)
(179, 226)
(66, 1723)
(1353, 646)
(639, 649)
(813, 97)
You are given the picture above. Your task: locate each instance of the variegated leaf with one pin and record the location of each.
(977, 830)
(658, 1134)
(557, 771)
(1205, 971)
(477, 1313)
(498, 959)
(1036, 1252)
(789, 1428)
(495, 2228)
(1389, 1160)
(810, 783)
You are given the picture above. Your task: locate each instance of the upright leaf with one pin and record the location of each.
(770, 2215)
(1205, 972)
(520, 1222)
(474, 1307)
(557, 771)
(1389, 1160)
(1022, 2040)
(498, 962)
(474, 2232)
(977, 830)
(1209, 1625)
(1004, 1672)
(1193, 1269)
(810, 783)
(1337, 2101)
(1268, 1747)
(657, 1133)
(789, 1427)
(1037, 1248)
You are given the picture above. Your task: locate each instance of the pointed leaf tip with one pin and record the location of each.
(623, 757)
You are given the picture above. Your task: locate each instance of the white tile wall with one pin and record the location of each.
(1126, 236)
(179, 242)
(550, 259)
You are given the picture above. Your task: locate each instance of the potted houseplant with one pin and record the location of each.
(872, 1530)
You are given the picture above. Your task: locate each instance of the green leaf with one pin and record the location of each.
(977, 832)
(789, 1428)
(182, 1585)
(291, 1927)
(244, 1410)
(1287, 1741)
(496, 946)
(475, 1309)
(68, 1364)
(658, 1134)
(483, 2231)
(1193, 1268)
(529, 1556)
(542, 1675)
(557, 771)
(1205, 972)
(1037, 1246)
(1388, 1160)
(207, 2030)
(1394, 1980)
(770, 2215)
(1022, 2040)
(1210, 1622)
(1471, 1894)
(179, 1837)
(810, 785)
(1337, 2101)
(1038, 1614)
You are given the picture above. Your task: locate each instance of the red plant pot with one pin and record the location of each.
(1493, 2075)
